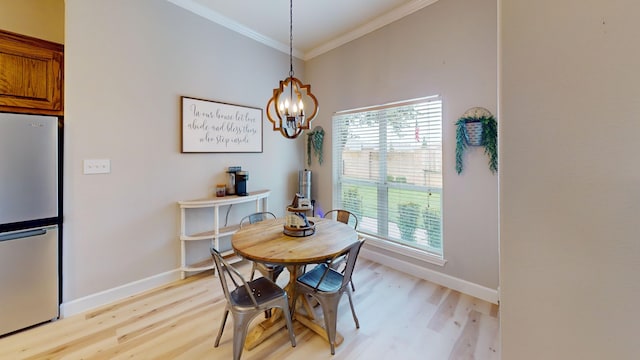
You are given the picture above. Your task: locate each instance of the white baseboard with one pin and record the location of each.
(463, 286)
(118, 293)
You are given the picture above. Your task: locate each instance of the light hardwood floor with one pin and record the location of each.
(401, 317)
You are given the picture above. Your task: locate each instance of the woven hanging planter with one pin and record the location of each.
(473, 133)
(477, 127)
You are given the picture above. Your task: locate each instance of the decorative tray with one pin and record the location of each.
(300, 231)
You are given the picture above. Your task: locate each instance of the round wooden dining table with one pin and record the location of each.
(266, 242)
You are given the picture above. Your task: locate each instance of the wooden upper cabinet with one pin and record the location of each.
(31, 75)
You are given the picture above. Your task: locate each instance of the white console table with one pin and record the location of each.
(217, 232)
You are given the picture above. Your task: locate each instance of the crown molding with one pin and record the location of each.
(230, 24)
(371, 26)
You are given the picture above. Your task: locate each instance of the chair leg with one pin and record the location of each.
(353, 311)
(271, 276)
(224, 320)
(292, 310)
(352, 286)
(287, 317)
(329, 310)
(240, 328)
(253, 271)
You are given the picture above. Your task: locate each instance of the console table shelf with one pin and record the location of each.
(217, 232)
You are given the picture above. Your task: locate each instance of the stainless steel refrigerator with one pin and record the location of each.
(30, 219)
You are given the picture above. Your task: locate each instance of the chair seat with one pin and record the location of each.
(331, 282)
(270, 267)
(263, 289)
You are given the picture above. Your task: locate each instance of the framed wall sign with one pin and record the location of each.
(211, 126)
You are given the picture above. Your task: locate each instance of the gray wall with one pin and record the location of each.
(127, 64)
(569, 179)
(448, 48)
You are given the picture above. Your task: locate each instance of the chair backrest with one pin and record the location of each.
(256, 217)
(344, 216)
(352, 256)
(227, 274)
(351, 252)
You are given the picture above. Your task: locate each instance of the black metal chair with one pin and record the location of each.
(349, 218)
(327, 285)
(246, 300)
(270, 271)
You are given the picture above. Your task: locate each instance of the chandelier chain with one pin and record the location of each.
(291, 38)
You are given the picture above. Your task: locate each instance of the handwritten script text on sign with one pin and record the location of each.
(210, 126)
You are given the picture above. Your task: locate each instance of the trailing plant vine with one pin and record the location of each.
(315, 140)
(489, 140)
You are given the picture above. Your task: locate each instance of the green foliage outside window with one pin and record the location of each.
(408, 220)
(432, 222)
(352, 201)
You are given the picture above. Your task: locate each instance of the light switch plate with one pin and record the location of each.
(97, 166)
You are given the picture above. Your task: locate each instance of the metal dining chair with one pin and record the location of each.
(349, 218)
(270, 271)
(344, 216)
(246, 300)
(327, 285)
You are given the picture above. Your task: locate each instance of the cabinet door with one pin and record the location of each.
(31, 80)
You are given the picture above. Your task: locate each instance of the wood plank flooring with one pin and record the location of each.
(401, 317)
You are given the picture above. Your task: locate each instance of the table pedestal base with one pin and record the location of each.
(266, 328)
(270, 326)
(317, 328)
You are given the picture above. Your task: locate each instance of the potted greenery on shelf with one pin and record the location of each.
(477, 127)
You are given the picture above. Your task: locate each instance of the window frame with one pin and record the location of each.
(383, 186)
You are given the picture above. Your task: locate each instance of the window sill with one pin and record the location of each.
(404, 250)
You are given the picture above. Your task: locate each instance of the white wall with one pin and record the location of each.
(448, 48)
(569, 179)
(127, 64)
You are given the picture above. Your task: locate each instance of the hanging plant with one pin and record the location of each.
(315, 140)
(477, 127)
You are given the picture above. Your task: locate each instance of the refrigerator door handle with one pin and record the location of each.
(22, 234)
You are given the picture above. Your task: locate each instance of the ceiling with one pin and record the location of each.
(318, 25)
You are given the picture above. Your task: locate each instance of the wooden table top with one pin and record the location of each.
(265, 242)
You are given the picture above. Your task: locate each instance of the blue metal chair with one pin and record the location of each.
(349, 218)
(327, 285)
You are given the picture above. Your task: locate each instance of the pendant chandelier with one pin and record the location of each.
(292, 106)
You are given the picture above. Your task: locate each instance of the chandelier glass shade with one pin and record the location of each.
(292, 106)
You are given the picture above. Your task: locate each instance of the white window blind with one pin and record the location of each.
(388, 170)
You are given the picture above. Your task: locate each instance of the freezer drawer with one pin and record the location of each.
(28, 278)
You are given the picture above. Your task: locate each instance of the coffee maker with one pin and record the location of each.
(241, 183)
(231, 184)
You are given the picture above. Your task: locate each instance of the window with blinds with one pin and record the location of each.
(388, 170)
